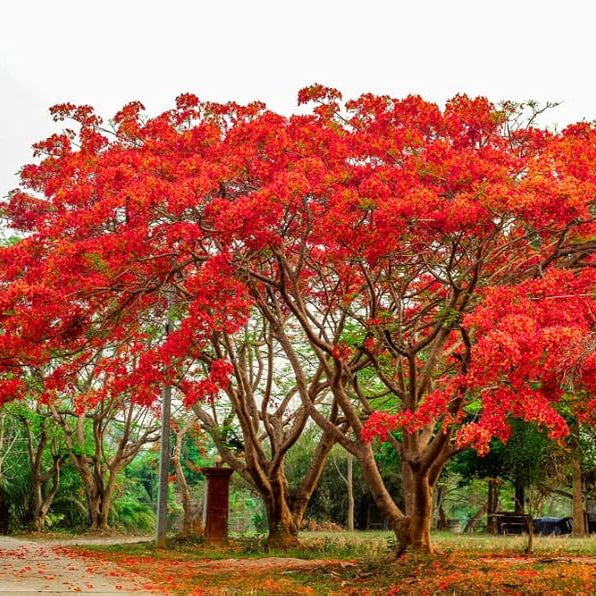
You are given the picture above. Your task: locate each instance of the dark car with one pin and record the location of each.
(552, 525)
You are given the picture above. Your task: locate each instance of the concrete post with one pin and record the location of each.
(216, 504)
(164, 456)
(164, 466)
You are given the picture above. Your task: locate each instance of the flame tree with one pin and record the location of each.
(435, 265)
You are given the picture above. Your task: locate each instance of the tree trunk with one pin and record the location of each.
(42, 493)
(192, 522)
(39, 520)
(530, 546)
(408, 487)
(37, 514)
(579, 521)
(492, 505)
(414, 530)
(283, 526)
(441, 523)
(94, 506)
(39, 509)
(421, 514)
(99, 500)
(100, 512)
(398, 522)
(475, 520)
(41, 504)
(519, 499)
(104, 511)
(97, 512)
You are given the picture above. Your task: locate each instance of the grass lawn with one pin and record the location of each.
(360, 563)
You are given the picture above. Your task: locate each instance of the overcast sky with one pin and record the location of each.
(111, 52)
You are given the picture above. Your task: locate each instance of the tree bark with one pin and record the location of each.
(579, 521)
(283, 524)
(475, 520)
(441, 517)
(192, 522)
(398, 522)
(492, 505)
(421, 514)
(99, 499)
(42, 491)
(41, 502)
(519, 498)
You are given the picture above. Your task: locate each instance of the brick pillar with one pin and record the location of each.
(215, 513)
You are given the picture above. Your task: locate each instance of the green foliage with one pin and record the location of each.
(521, 460)
(195, 455)
(17, 495)
(526, 467)
(141, 475)
(70, 503)
(15, 475)
(329, 501)
(132, 514)
(525, 454)
(390, 468)
(53, 519)
(353, 334)
(259, 521)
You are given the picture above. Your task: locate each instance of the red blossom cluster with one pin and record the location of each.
(456, 243)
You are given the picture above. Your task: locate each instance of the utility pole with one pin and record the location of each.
(164, 457)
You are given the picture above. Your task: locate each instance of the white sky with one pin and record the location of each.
(107, 53)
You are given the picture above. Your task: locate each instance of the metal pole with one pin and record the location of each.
(164, 461)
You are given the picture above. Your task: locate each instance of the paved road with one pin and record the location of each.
(28, 567)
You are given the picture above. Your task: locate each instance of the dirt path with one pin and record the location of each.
(48, 565)
(32, 567)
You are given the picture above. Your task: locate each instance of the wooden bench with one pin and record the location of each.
(511, 523)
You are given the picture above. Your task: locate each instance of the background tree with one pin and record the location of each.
(46, 456)
(185, 431)
(348, 479)
(14, 486)
(330, 501)
(577, 462)
(261, 420)
(102, 436)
